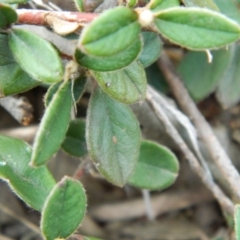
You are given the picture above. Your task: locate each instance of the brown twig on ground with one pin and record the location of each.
(225, 203)
(219, 156)
(162, 203)
(19, 108)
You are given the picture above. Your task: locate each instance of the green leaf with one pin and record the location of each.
(200, 77)
(91, 238)
(157, 167)
(32, 185)
(36, 56)
(13, 1)
(229, 8)
(237, 221)
(131, 3)
(113, 137)
(196, 28)
(53, 126)
(228, 92)
(151, 49)
(7, 16)
(103, 37)
(79, 4)
(127, 85)
(111, 63)
(12, 78)
(75, 142)
(203, 4)
(157, 5)
(64, 209)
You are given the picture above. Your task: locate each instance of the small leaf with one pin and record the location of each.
(36, 56)
(131, 3)
(237, 221)
(12, 78)
(113, 137)
(203, 4)
(75, 142)
(91, 238)
(157, 167)
(228, 92)
(196, 28)
(111, 63)
(151, 49)
(105, 38)
(127, 85)
(157, 5)
(200, 77)
(13, 1)
(79, 4)
(54, 125)
(7, 15)
(64, 209)
(32, 185)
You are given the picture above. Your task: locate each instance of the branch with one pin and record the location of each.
(219, 156)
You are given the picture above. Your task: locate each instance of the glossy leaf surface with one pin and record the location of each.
(157, 167)
(36, 56)
(127, 85)
(12, 78)
(53, 126)
(103, 37)
(113, 137)
(111, 63)
(7, 15)
(152, 46)
(203, 4)
(196, 28)
(228, 92)
(64, 209)
(201, 77)
(32, 185)
(157, 5)
(75, 142)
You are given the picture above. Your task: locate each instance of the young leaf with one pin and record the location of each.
(151, 49)
(203, 4)
(113, 137)
(36, 56)
(196, 28)
(79, 5)
(7, 15)
(32, 185)
(237, 221)
(105, 38)
(114, 62)
(63, 210)
(75, 142)
(127, 85)
(201, 77)
(13, 1)
(157, 167)
(157, 5)
(53, 126)
(228, 92)
(13, 78)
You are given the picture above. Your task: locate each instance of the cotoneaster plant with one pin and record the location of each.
(112, 51)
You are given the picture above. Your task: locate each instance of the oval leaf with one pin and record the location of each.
(13, 78)
(157, 5)
(157, 167)
(111, 63)
(127, 85)
(151, 49)
(201, 77)
(64, 209)
(75, 142)
(36, 56)
(32, 185)
(113, 137)
(53, 126)
(196, 28)
(105, 38)
(7, 15)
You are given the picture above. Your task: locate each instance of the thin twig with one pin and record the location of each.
(223, 200)
(219, 156)
(148, 204)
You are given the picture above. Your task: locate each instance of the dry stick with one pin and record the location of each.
(225, 203)
(219, 156)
